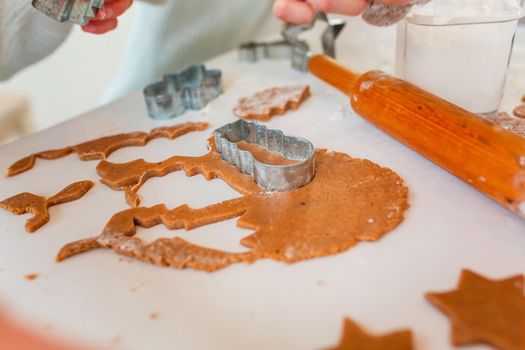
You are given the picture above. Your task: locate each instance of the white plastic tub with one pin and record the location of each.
(459, 49)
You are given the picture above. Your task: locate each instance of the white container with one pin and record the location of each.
(459, 49)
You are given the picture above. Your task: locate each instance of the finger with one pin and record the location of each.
(113, 9)
(344, 7)
(394, 2)
(294, 11)
(100, 27)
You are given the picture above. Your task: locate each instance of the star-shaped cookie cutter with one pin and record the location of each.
(73, 11)
(275, 50)
(273, 178)
(302, 54)
(292, 47)
(191, 89)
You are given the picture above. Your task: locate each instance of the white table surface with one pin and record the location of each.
(104, 301)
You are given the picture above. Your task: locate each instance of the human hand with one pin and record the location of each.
(107, 17)
(303, 11)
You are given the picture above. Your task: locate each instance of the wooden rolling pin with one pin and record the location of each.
(485, 156)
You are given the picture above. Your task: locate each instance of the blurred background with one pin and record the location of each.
(31, 101)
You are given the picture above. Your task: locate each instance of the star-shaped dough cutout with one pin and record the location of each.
(354, 338)
(485, 311)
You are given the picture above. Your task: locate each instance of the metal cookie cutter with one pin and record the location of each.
(292, 47)
(275, 50)
(192, 88)
(272, 178)
(302, 55)
(253, 52)
(74, 11)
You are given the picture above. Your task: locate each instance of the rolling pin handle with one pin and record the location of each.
(328, 70)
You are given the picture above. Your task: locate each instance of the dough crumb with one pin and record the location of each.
(31, 277)
(116, 340)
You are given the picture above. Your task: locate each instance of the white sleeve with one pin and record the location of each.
(26, 36)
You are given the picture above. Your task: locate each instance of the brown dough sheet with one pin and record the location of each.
(39, 206)
(354, 338)
(275, 101)
(101, 148)
(264, 156)
(348, 201)
(485, 311)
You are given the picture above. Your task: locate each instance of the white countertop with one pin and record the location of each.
(103, 300)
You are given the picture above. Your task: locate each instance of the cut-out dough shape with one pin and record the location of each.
(275, 101)
(348, 201)
(485, 311)
(39, 206)
(130, 177)
(354, 338)
(101, 148)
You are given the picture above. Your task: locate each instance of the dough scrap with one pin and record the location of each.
(508, 122)
(519, 111)
(101, 148)
(39, 206)
(275, 101)
(485, 311)
(354, 338)
(349, 200)
(383, 15)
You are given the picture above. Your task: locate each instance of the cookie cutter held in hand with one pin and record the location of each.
(74, 11)
(192, 89)
(292, 47)
(273, 178)
(254, 51)
(302, 54)
(334, 27)
(275, 50)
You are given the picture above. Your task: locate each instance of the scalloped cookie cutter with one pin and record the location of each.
(191, 89)
(73, 11)
(273, 178)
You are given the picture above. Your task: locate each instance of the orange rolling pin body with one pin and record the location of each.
(485, 156)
